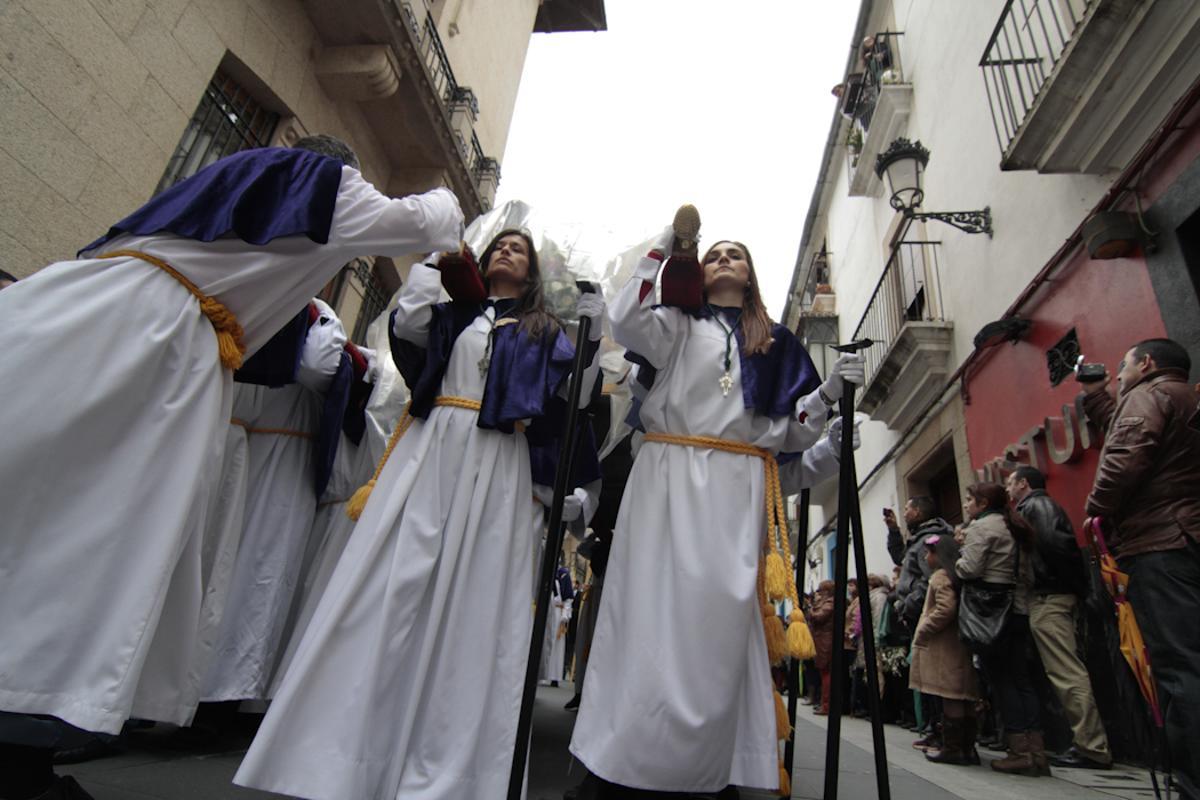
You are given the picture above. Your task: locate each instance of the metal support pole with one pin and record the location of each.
(789, 750)
(864, 598)
(850, 534)
(554, 537)
(833, 737)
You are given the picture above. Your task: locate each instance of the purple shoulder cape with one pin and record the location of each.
(772, 382)
(256, 195)
(522, 379)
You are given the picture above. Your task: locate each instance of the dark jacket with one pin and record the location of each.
(1057, 563)
(914, 571)
(1148, 482)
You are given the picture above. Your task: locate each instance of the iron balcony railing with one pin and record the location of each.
(1022, 53)
(879, 64)
(909, 290)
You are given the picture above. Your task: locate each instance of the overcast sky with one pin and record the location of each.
(722, 104)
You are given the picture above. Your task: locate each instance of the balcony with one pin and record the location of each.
(911, 359)
(877, 102)
(1079, 85)
(387, 55)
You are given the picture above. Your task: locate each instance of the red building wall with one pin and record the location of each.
(1111, 305)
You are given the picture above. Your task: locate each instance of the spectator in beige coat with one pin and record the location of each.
(998, 552)
(941, 663)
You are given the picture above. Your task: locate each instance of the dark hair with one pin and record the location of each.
(1031, 475)
(1167, 353)
(994, 497)
(330, 146)
(756, 322)
(925, 506)
(947, 551)
(531, 305)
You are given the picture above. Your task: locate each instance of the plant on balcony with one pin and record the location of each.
(854, 140)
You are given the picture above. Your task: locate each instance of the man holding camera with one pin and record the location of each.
(1147, 490)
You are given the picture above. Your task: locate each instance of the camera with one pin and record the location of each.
(1089, 373)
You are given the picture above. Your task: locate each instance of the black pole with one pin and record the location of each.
(789, 750)
(833, 737)
(882, 782)
(554, 531)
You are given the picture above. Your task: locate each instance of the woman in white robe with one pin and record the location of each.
(114, 405)
(408, 681)
(679, 694)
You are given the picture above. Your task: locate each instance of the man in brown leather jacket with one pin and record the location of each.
(1147, 488)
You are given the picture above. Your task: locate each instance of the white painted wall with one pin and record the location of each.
(1032, 213)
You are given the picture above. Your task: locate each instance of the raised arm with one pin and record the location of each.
(411, 319)
(366, 221)
(638, 326)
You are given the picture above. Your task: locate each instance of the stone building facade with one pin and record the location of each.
(103, 102)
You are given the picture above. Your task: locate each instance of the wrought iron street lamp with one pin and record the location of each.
(903, 165)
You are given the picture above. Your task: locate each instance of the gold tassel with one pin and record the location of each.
(358, 501)
(773, 630)
(785, 781)
(800, 643)
(783, 725)
(776, 576)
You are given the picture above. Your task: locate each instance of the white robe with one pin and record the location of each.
(155, 693)
(352, 467)
(554, 649)
(679, 692)
(280, 507)
(114, 407)
(407, 683)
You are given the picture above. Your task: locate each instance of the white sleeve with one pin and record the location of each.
(368, 222)
(807, 424)
(815, 466)
(589, 497)
(637, 325)
(414, 311)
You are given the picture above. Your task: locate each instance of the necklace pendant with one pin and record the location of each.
(726, 383)
(484, 362)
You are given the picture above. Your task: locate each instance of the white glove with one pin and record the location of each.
(572, 506)
(591, 305)
(849, 367)
(432, 259)
(835, 433)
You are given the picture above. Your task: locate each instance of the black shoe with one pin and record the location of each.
(88, 749)
(64, 788)
(686, 226)
(573, 703)
(1073, 759)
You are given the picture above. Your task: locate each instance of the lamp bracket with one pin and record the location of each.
(968, 221)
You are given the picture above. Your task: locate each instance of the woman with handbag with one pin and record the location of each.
(941, 663)
(996, 566)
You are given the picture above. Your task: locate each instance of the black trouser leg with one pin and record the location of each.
(1164, 590)
(1007, 668)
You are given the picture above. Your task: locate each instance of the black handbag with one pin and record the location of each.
(984, 610)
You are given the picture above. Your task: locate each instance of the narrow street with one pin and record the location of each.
(159, 765)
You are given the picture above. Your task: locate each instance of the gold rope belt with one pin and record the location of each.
(225, 324)
(776, 579)
(275, 431)
(356, 504)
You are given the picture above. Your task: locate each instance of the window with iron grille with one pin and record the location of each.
(227, 120)
(356, 293)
